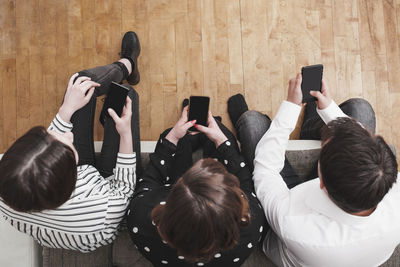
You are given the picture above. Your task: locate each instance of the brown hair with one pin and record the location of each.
(357, 167)
(203, 212)
(37, 172)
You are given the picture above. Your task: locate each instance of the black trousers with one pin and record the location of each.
(83, 121)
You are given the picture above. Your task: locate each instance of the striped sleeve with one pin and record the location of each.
(59, 125)
(124, 180)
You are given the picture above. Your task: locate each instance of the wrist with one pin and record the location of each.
(125, 144)
(125, 135)
(220, 141)
(172, 138)
(65, 113)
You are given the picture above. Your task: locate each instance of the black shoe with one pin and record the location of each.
(236, 107)
(130, 49)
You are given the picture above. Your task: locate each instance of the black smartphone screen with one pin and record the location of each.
(198, 110)
(116, 98)
(312, 81)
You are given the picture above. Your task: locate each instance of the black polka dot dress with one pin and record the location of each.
(167, 164)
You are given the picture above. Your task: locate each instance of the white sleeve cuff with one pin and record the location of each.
(332, 112)
(59, 125)
(126, 160)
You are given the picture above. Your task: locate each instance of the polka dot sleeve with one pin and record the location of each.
(157, 170)
(228, 154)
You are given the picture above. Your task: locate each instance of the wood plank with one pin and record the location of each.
(22, 67)
(8, 29)
(9, 107)
(327, 44)
(235, 48)
(48, 55)
(209, 52)
(222, 59)
(35, 67)
(62, 54)
(255, 60)
(392, 45)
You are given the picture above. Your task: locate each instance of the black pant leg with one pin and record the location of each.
(110, 148)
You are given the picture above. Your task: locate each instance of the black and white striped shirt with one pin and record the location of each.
(92, 215)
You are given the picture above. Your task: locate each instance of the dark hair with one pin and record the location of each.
(37, 172)
(357, 167)
(203, 212)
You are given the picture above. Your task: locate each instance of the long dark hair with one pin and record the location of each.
(37, 172)
(203, 212)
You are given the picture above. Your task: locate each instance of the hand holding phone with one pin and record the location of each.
(180, 128)
(198, 110)
(212, 131)
(311, 81)
(324, 97)
(123, 122)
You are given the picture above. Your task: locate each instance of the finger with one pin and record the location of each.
(71, 80)
(324, 88)
(210, 118)
(113, 115)
(89, 94)
(292, 82)
(86, 85)
(189, 124)
(317, 94)
(185, 113)
(299, 78)
(184, 117)
(128, 106)
(81, 79)
(202, 128)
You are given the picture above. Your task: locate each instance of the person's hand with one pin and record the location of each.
(77, 95)
(295, 94)
(213, 132)
(324, 97)
(180, 127)
(123, 123)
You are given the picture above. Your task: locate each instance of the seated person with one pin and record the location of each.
(204, 214)
(347, 217)
(51, 186)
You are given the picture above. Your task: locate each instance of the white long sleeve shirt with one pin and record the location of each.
(92, 215)
(308, 229)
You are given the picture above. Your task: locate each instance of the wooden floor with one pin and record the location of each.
(198, 47)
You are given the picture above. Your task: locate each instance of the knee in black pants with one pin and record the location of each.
(361, 110)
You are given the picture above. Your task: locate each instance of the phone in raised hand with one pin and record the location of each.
(311, 81)
(198, 110)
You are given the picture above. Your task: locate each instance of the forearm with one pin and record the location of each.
(125, 143)
(65, 113)
(269, 161)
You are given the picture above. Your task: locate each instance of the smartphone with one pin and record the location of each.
(116, 98)
(312, 81)
(198, 110)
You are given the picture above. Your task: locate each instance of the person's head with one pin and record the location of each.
(38, 171)
(356, 167)
(203, 212)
